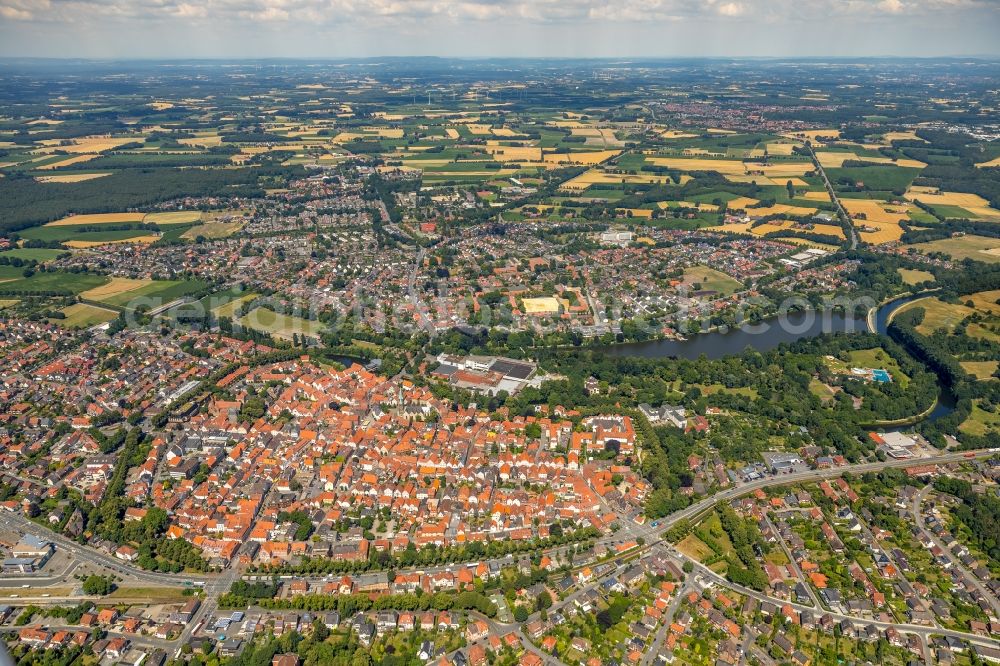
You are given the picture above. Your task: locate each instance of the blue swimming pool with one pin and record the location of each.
(881, 376)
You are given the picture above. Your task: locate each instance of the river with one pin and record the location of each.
(771, 333)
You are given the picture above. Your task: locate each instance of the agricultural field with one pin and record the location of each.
(120, 292)
(981, 369)
(84, 315)
(913, 276)
(31, 253)
(937, 314)
(970, 246)
(877, 221)
(954, 204)
(212, 230)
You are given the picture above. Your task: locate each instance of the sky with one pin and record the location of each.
(481, 28)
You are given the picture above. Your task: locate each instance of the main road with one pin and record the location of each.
(89, 555)
(845, 219)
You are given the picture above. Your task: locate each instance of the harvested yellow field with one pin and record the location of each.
(880, 218)
(688, 204)
(637, 212)
(675, 134)
(798, 182)
(516, 153)
(980, 369)
(596, 176)
(504, 132)
(741, 203)
(973, 203)
(817, 196)
(118, 285)
(889, 137)
(161, 106)
(82, 245)
(701, 152)
(385, 132)
(990, 164)
(734, 168)
(98, 144)
(985, 301)
(752, 178)
(741, 228)
(203, 141)
(543, 305)
(76, 159)
(212, 230)
(831, 160)
(725, 167)
(781, 149)
(781, 225)
(173, 217)
(98, 218)
(70, 177)
(783, 209)
(815, 134)
(595, 157)
(479, 129)
(716, 130)
(452, 133)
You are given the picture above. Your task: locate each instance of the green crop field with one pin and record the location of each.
(32, 253)
(12, 280)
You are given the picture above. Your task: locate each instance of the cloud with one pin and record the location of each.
(731, 9)
(528, 12)
(499, 27)
(15, 13)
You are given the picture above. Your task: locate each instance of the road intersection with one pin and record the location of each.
(648, 536)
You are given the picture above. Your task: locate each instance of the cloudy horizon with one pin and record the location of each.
(491, 28)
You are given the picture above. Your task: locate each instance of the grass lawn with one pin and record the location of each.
(173, 217)
(694, 548)
(981, 369)
(702, 278)
(229, 309)
(875, 357)
(83, 315)
(7, 302)
(280, 325)
(911, 276)
(821, 390)
(980, 421)
(980, 248)
(32, 253)
(167, 593)
(212, 230)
